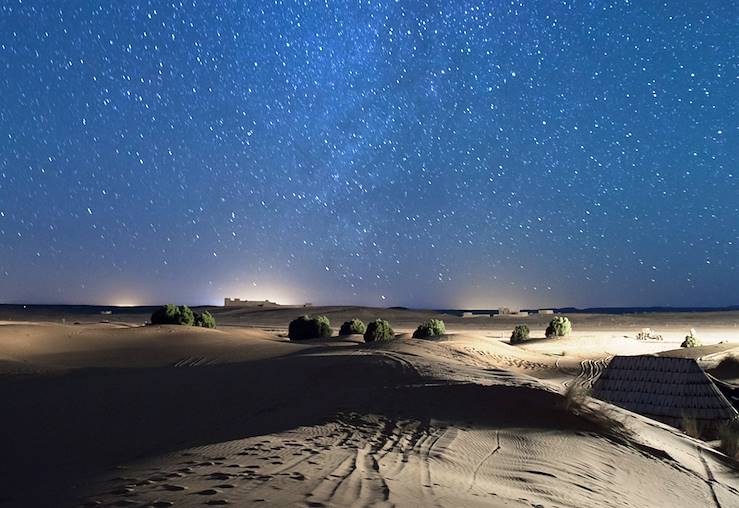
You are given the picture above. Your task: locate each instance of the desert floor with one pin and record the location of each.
(101, 410)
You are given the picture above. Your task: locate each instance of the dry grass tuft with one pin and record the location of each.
(690, 426)
(604, 417)
(729, 436)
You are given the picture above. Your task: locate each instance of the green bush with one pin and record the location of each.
(378, 330)
(205, 320)
(691, 340)
(355, 326)
(306, 327)
(520, 334)
(171, 314)
(559, 327)
(187, 316)
(431, 328)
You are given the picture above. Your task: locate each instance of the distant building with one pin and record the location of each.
(474, 314)
(238, 302)
(546, 311)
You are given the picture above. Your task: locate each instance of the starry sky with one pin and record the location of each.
(428, 154)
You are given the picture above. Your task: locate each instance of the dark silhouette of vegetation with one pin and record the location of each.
(206, 320)
(378, 330)
(431, 328)
(171, 314)
(558, 327)
(520, 334)
(691, 340)
(306, 327)
(355, 326)
(187, 316)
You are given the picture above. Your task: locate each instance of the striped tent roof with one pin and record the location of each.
(662, 387)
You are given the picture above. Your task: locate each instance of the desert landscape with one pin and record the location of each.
(103, 410)
(327, 254)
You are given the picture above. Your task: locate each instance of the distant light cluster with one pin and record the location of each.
(386, 153)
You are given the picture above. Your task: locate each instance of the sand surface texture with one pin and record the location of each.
(118, 414)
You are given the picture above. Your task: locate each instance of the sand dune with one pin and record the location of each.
(114, 415)
(54, 346)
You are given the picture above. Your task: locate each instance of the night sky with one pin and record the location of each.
(427, 154)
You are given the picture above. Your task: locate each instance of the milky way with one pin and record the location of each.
(441, 154)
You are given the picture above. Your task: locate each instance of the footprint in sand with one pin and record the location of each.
(226, 486)
(217, 502)
(122, 491)
(219, 476)
(207, 492)
(174, 488)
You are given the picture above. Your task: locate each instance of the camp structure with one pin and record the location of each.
(670, 390)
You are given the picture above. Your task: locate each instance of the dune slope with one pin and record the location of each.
(327, 423)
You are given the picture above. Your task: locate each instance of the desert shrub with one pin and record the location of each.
(306, 327)
(171, 314)
(559, 327)
(205, 320)
(378, 330)
(324, 326)
(729, 435)
(576, 394)
(577, 400)
(690, 426)
(352, 327)
(187, 316)
(431, 328)
(691, 340)
(520, 334)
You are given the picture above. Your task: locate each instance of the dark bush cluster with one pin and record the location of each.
(558, 327)
(206, 320)
(355, 326)
(307, 327)
(171, 314)
(691, 340)
(520, 334)
(378, 330)
(431, 328)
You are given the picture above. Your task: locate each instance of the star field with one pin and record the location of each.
(442, 154)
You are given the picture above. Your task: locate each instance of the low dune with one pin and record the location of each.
(115, 414)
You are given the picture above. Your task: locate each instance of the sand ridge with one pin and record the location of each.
(118, 414)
